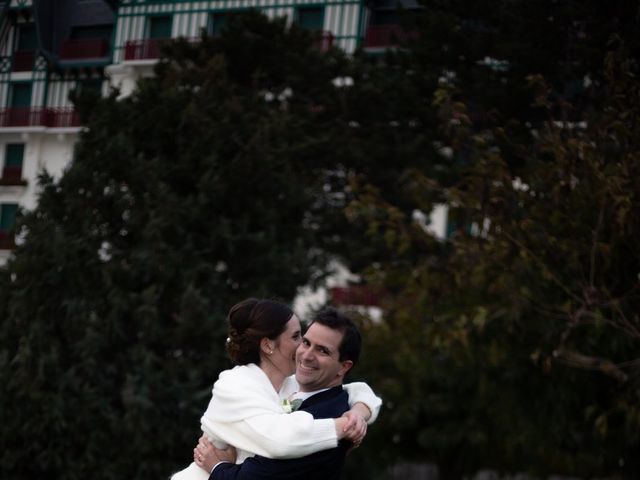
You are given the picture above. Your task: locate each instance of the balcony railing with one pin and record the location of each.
(23, 60)
(62, 117)
(142, 49)
(380, 36)
(149, 49)
(12, 175)
(82, 49)
(7, 241)
(39, 117)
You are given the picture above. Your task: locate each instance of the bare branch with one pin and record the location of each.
(603, 365)
(594, 245)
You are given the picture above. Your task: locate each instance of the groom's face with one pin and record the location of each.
(318, 362)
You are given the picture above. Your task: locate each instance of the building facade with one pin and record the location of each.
(48, 48)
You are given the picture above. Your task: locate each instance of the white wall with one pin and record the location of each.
(50, 150)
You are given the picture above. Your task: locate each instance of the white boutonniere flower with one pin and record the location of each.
(289, 406)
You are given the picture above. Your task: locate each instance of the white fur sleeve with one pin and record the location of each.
(277, 435)
(360, 392)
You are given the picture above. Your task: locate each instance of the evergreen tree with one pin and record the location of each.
(196, 191)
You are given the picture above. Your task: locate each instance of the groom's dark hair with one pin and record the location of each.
(351, 340)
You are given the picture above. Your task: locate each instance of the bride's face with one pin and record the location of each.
(286, 346)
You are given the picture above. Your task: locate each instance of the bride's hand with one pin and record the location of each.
(356, 427)
(206, 456)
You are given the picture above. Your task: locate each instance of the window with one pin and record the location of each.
(27, 38)
(26, 45)
(311, 18)
(216, 22)
(7, 222)
(21, 95)
(12, 171)
(14, 154)
(8, 216)
(159, 27)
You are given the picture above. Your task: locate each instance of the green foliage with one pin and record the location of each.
(513, 344)
(196, 191)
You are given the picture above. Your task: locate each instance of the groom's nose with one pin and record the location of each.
(306, 353)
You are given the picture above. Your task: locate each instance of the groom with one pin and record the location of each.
(329, 349)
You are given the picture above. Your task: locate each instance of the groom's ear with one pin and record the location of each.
(344, 369)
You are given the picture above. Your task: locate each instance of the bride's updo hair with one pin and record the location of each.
(250, 321)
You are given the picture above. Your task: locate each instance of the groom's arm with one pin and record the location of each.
(225, 471)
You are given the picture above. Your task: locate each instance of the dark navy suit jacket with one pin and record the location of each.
(323, 465)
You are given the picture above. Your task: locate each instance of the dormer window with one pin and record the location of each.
(26, 45)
